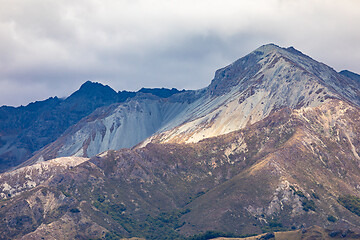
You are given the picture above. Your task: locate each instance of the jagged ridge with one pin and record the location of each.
(26, 129)
(242, 93)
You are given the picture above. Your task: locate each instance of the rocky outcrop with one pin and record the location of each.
(15, 182)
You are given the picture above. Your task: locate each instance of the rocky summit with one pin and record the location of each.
(271, 145)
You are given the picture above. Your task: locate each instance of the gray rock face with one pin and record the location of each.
(242, 93)
(251, 88)
(26, 129)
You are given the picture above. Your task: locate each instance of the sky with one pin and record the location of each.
(50, 47)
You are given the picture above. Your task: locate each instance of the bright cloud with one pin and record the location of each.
(50, 47)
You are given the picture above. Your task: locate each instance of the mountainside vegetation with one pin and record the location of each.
(270, 149)
(274, 175)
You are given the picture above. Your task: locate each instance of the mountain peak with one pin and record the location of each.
(268, 48)
(160, 92)
(91, 89)
(89, 85)
(351, 75)
(244, 68)
(270, 64)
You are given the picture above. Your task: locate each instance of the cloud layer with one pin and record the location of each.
(49, 48)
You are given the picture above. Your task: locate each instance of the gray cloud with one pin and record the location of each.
(49, 48)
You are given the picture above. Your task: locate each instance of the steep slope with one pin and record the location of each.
(20, 180)
(24, 130)
(242, 93)
(14, 122)
(350, 75)
(117, 126)
(251, 88)
(299, 182)
(27, 129)
(285, 171)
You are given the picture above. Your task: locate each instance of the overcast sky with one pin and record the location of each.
(50, 47)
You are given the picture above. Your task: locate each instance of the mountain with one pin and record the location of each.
(272, 144)
(353, 76)
(267, 79)
(242, 93)
(117, 126)
(26, 129)
(279, 173)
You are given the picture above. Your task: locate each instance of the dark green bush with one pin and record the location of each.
(308, 205)
(273, 225)
(74, 210)
(214, 234)
(112, 236)
(315, 196)
(350, 202)
(331, 218)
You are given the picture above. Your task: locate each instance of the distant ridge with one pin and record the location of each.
(352, 75)
(26, 129)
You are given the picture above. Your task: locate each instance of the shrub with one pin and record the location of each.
(350, 202)
(308, 205)
(213, 234)
(331, 218)
(74, 210)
